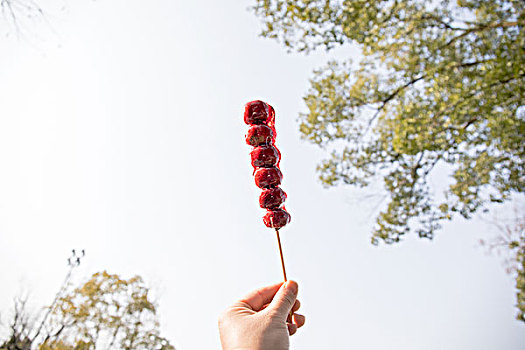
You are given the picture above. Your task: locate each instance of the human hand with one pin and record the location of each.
(261, 320)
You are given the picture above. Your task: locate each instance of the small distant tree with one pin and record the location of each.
(19, 328)
(107, 312)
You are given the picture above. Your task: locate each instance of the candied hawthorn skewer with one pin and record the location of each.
(265, 158)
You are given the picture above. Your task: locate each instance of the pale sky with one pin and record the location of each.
(121, 133)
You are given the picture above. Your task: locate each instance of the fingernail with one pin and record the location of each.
(292, 286)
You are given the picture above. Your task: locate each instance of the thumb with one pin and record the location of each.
(284, 299)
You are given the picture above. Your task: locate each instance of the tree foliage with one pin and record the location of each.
(511, 244)
(441, 84)
(106, 312)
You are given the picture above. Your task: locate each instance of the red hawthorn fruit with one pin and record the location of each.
(259, 135)
(276, 218)
(256, 112)
(268, 177)
(264, 156)
(272, 198)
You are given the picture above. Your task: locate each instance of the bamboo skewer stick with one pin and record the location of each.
(281, 253)
(282, 264)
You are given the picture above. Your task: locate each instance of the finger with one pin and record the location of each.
(296, 306)
(292, 328)
(284, 299)
(260, 297)
(299, 320)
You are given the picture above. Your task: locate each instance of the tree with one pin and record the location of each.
(16, 13)
(106, 312)
(441, 85)
(26, 329)
(28, 19)
(511, 244)
(19, 327)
